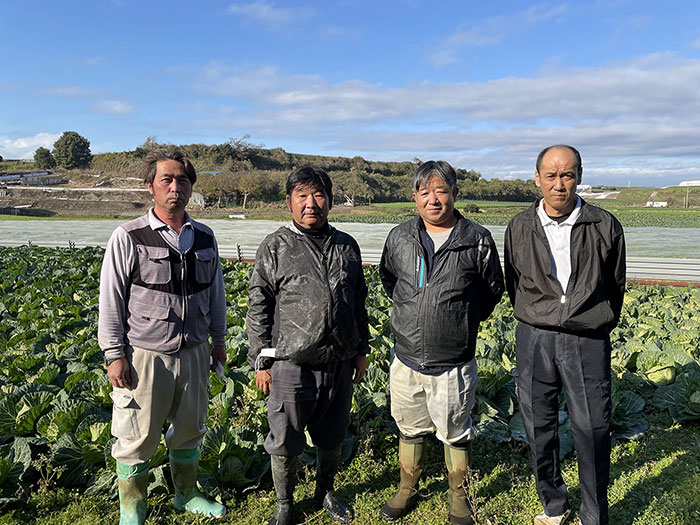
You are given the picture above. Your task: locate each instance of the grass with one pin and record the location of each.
(654, 481)
(494, 213)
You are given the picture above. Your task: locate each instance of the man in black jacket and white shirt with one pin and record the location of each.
(565, 275)
(443, 274)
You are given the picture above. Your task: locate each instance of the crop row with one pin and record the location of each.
(54, 395)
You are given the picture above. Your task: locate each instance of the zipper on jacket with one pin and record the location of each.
(421, 272)
(422, 291)
(183, 282)
(324, 265)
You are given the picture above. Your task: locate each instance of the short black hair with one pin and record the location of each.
(436, 168)
(154, 157)
(579, 164)
(313, 177)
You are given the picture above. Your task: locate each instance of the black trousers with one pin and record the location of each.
(317, 398)
(546, 362)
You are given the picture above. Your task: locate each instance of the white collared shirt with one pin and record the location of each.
(559, 238)
(182, 241)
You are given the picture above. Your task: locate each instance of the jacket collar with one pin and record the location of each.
(587, 214)
(291, 226)
(462, 235)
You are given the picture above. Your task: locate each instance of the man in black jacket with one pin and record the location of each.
(309, 338)
(565, 274)
(443, 274)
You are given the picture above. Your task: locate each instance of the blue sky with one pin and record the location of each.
(483, 85)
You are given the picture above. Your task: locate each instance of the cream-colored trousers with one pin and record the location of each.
(440, 403)
(163, 387)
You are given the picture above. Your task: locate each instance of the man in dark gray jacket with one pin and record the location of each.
(565, 274)
(443, 274)
(161, 297)
(309, 338)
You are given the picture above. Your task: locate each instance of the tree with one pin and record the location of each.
(1, 159)
(219, 186)
(43, 159)
(248, 183)
(72, 151)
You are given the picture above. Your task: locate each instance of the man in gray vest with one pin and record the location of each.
(565, 274)
(161, 297)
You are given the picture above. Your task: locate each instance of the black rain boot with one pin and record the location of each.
(327, 461)
(412, 461)
(284, 476)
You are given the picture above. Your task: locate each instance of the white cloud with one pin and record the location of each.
(491, 31)
(24, 147)
(112, 107)
(632, 113)
(268, 14)
(93, 61)
(67, 91)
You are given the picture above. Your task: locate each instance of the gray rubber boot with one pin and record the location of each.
(412, 462)
(284, 476)
(327, 461)
(132, 481)
(458, 461)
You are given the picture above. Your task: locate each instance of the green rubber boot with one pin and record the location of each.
(412, 461)
(458, 461)
(132, 481)
(183, 469)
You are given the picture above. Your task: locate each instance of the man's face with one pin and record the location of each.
(309, 206)
(435, 202)
(557, 178)
(171, 188)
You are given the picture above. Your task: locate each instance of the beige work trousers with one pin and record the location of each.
(173, 387)
(441, 403)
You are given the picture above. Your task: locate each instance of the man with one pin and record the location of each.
(565, 274)
(161, 296)
(443, 274)
(308, 333)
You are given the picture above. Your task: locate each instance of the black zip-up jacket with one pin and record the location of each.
(307, 303)
(594, 294)
(435, 322)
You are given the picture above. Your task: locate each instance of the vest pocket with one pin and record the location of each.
(149, 324)
(154, 264)
(204, 265)
(202, 322)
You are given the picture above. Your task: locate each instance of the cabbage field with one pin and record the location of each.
(55, 405)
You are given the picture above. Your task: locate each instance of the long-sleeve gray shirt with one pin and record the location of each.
(136, 295)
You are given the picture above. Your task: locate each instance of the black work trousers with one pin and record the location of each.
(546, 362)
(317, 398)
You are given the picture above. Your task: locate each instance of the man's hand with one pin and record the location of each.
(360, 366)
(218, 355)
(119, 373)
(263, 380)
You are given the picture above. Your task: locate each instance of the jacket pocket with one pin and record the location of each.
(124, 414)
(154, 264)
(204, 270)
(201, 327)
(149, 324)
